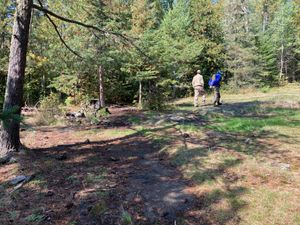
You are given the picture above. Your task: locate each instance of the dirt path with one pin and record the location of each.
(100, 179)
(153, 191)
(117, 173)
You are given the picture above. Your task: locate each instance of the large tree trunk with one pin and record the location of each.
(10, 134)
(101, 88)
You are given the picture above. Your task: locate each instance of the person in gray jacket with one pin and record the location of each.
(198, 85)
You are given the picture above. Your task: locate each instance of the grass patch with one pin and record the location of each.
(118, 132)
(99, 208)
(272, 207)
(135, 120)
(189, 127)
(39, 181)
(13, 215)
(105, 133)
(73, 179)
(93, 178)
(126, 218)
(245, 124)
(35, 218)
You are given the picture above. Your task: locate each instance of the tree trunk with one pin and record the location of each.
(44, 85)
(10, 133)
(265, 17)
(101, 88)
(140, 95)
(281, 62)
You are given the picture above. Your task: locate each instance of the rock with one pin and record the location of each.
(69, 205)
(284, 166)
(165, 214)
(12, 160)
(114, 159)
(160, 122)
(61, 157)
(87, 141)
(177, 118)
(49, 194)
(185, 135)
(79, 115)
(70, 115)
(18, 180)
(248, 141)
(4, 160)
(137, 199)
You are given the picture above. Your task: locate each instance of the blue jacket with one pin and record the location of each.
(216, 82)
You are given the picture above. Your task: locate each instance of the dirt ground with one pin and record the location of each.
(119, 172)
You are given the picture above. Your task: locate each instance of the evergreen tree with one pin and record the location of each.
(206, 29)
(242, 58)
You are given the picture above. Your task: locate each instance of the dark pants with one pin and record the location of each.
(217, 94)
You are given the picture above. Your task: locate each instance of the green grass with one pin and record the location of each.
(126, 218)
(232, 157)
(189, 127)
(35, 218)
(39, 181)
(257, 123)
(99, 176)
(134, 120)
(13, 215)
(118, 132)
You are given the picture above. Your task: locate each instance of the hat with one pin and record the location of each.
(198, 71)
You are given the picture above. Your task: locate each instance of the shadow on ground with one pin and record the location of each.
(131, 180)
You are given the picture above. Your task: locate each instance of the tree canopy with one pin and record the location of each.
(255, 43)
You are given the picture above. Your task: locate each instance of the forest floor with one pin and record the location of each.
(234, 164)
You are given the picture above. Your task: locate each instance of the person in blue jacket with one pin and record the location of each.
(214, 83)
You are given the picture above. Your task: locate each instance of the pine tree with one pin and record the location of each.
(242, 58)
(278, 44)
(206, 29)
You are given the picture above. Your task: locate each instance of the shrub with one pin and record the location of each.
(265, 89)
(69, 101)
(50, 110)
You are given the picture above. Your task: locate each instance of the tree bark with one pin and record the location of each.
(140, 95)
(101, 88)
(265, 17)
(10, 132)
(281, 62)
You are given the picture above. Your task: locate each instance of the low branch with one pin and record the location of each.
(88, 26)
(46, 11)
(58, 33)
(61, 38)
